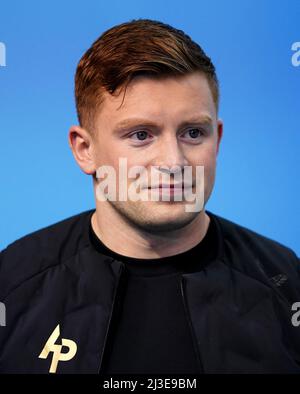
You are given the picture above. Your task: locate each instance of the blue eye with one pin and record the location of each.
(194, 133)
(140, 135)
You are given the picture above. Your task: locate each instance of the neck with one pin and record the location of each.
(122, 238)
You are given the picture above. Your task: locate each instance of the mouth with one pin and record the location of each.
(171, 189)
(180, 186)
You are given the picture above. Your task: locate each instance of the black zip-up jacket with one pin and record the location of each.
(239, 306)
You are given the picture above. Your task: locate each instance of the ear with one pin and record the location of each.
(81, 144)
(219, 133)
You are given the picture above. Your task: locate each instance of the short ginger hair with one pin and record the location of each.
(138, 47)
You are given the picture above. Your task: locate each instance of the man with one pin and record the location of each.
(152, 284)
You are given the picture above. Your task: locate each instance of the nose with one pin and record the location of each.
(171, 157)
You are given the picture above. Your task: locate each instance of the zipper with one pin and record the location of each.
(111, 316)
(188, 317)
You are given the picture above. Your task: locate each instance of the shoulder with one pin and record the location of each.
(238, 233)
(245, 247)
(42, 249)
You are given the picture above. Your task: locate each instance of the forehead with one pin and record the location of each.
(164, 98)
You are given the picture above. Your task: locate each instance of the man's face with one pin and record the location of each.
(167, 123)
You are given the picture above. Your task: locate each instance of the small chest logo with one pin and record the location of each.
(56, 349)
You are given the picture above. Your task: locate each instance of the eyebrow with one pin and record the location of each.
(127, 123)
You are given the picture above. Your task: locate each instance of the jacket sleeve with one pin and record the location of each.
(1, 273)
(297, 263)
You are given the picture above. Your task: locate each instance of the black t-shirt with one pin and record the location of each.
(150, 332)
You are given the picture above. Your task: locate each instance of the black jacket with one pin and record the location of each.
(238, 306)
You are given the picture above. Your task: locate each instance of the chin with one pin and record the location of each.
(158, 218)
(166, 223)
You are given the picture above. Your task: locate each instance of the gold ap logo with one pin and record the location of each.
(52, 347)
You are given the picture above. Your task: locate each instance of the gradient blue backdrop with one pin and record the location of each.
(250, 43)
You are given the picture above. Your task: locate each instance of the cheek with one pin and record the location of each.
(107, 154)
(132, 157)
(210, 168)
(206, 157)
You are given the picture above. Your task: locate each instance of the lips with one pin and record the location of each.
(171, 186)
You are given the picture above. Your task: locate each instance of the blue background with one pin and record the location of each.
(249, 41)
